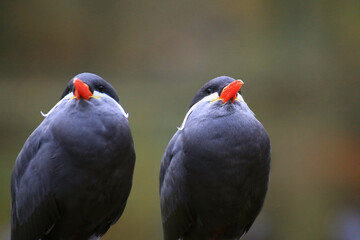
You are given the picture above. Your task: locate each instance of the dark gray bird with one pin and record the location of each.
(73, 176)
(215, 170)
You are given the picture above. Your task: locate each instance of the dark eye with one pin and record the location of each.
(209, 91)
(101, 88)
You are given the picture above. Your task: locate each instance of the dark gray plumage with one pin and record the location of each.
(215, 170)
(73, 176)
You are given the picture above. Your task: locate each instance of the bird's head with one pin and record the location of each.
(218, 89)
(88, 85)
(221, 88)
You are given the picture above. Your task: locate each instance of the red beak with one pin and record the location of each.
(230, 91)
(81, 89)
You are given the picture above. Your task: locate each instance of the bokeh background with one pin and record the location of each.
(300, 61)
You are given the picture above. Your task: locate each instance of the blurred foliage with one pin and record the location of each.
(299, 61)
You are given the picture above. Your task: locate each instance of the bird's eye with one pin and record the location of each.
(101, 88)
(209, 91)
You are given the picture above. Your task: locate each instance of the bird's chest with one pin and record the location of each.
(224, 161)
(82, 122)
(223, 144)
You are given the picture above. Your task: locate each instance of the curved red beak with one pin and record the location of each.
(81, 89)
(230, 91)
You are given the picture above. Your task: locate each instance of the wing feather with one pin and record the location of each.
(34, 209)
(177, 216)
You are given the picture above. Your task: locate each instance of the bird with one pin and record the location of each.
(215, 170)
(73, 176)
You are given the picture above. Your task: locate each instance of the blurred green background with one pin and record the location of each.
(300, 61)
